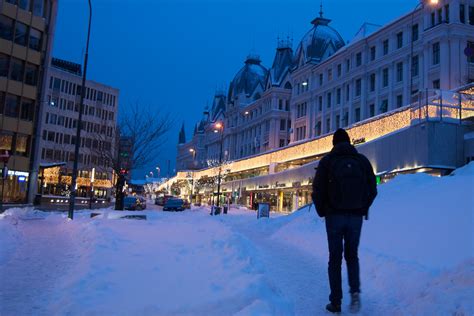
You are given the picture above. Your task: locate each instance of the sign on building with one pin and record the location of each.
(263, 210)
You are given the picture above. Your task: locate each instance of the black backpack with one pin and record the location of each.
(347, 183)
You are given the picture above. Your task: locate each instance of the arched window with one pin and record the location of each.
(288, 85)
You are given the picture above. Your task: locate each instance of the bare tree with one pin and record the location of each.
(146, 129)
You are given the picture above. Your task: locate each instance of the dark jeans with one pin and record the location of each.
(341, 228)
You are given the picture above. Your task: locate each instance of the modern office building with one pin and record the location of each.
(26, 34)
(57, 130)
(404, 91)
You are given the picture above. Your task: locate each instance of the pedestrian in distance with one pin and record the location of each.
(344, 188)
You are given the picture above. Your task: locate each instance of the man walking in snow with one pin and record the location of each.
(344, 188)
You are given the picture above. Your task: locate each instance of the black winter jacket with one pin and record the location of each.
(321, 181)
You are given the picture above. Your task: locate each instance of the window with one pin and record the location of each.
(6, 140)
(329, 74)
(348, 65)
(38, 7)
(57, 84)
(6, 27)
(16, 71)
(462, 13)
(471, 15)
(384, 106)
(385, 77)
(320, 79)
(436, 53)
(399, 40)
(372, 110)
(433, 19)
(338, 121)
(440, 15)
(415, 66)
(471, 46)
(51, 136)
(346, 118)
(12, 105)
(358, 87)
(436, 84)
(27, 109)
(318, 128)
(282, 125)
(399, 71)
(31, 74)
(338, 96)
(385, 47)
(339, 70)
(22, 145)
(372, 82)
(446, 13)
(399, 100)
(2, 101)
(347, 92)
(358, 59)
(357, 114)
(4, 65)
(21, 31)
(282, 142)
(414, 33)
(35, 39)
(24, 4)
(372, 53)
(320, 103)
(329, 99)
(328, 125)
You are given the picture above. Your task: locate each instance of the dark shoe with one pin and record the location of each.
(355, 302)
(334, 308)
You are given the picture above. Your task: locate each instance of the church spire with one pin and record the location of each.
(321, 9)
(182, 136)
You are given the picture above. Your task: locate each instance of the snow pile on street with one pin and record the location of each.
(416, 254)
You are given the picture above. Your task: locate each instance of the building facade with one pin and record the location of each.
(57, 130)
(26, 33)
(403, 91)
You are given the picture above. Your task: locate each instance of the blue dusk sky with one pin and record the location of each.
(171, 55)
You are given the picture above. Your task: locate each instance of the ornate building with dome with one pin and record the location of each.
(403, 91)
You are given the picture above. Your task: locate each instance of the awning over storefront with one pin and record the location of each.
(46, 165)
(291, 178)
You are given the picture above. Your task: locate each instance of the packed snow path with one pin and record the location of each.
(42, 256)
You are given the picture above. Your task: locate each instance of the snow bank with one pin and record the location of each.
(416, 246)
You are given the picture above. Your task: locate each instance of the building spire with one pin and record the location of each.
(321, 9)
(182, 135)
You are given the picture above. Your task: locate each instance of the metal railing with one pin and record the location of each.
(440, 105)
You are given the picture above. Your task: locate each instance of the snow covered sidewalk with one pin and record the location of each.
(417, 258)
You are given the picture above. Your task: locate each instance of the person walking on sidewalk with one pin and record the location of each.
(344, 188)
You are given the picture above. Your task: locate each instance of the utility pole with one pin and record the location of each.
(72, 199)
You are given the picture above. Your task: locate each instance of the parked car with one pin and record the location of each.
(174, 205)
(161, 200)
(134, 203)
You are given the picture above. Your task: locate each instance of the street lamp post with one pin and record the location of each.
(420, 4)
(92, 188)
(219, 128)
(72, 198)
(191, 150)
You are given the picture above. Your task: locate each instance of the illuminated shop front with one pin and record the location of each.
(14, 186)
(56, 181)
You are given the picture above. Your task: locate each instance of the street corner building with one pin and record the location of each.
(56, 134)
(26, 35)
(403, 91)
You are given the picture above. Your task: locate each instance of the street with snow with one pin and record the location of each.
(416, 256)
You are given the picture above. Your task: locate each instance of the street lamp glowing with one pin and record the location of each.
(191, 150)
(434, 2)
(219, 125)
(305, 83)
(246, 112)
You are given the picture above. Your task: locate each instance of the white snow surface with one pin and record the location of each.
(416, 257)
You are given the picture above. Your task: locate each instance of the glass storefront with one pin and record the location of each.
(14, 187)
